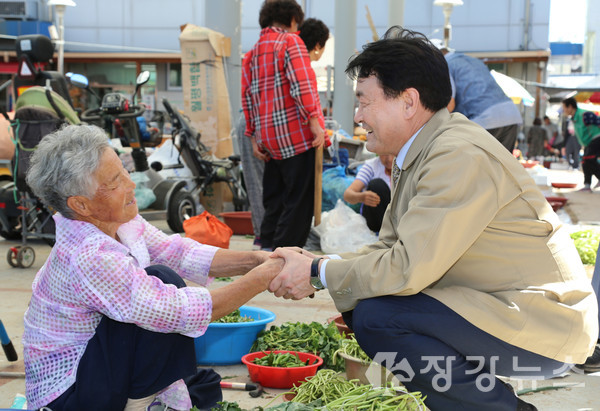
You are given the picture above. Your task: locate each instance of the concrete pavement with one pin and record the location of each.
(573, 392)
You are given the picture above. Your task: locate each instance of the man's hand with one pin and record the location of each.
(293, 282)
(302, 251)
(370, 198)
(259, 153)
(317, 131)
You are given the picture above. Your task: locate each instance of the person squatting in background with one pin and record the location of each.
(372, 187)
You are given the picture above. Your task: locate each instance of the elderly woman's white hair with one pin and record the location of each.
(63, 165)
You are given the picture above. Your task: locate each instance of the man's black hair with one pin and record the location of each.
(570, 102)
(313, 32)
(405, 59)
(280, 12)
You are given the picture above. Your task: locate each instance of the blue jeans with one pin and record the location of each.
(432, 349)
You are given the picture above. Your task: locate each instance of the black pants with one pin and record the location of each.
(374, 215)
(125, 361)
(506, 135)
(288, 197)
(572, 149)
(590, 161)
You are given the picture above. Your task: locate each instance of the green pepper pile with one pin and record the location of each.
(283, 360)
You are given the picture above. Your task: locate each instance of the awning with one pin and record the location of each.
(584, 88)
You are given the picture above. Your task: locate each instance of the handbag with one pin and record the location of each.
(208, 229)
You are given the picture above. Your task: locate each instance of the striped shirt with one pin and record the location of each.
(279, 94)
(371, 169)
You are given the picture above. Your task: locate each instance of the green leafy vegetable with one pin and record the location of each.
(234, 317)
(223, 406)
(586, 242)
(315, 338)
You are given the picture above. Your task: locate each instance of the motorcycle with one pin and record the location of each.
(119, 118)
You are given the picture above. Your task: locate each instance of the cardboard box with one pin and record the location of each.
(205, 97)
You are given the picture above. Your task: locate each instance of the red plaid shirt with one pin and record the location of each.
(279, 94)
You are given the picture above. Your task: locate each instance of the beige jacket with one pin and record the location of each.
(467, 226)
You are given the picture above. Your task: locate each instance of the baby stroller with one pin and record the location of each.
(43, 105)
(38, 112)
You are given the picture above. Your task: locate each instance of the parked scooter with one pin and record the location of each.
(206, 168)
(118, 116)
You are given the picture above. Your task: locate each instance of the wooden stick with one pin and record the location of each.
(318, 184)
(370, 20)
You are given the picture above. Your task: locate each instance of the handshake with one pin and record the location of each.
(287, 271)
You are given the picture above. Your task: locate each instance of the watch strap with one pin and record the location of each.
(314, 267)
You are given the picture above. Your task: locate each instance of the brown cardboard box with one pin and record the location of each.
(205, 96)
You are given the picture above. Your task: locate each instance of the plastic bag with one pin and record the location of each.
(335, 182)
(343, 230)
(208, 229)
(143, 195)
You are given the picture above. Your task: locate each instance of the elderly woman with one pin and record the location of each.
(314, 33)
(110, 324)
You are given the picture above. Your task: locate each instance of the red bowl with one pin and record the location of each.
(564, 185)
(556, 205)
(562, 200)
(341, 325)
(557, 202)
(239, 221)
(530, 163)
(280, 377)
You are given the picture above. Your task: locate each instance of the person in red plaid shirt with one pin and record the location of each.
(285, 122)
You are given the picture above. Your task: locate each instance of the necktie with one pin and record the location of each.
(395, 172)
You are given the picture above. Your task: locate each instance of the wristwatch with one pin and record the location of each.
(315, 279)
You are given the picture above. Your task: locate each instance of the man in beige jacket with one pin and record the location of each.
(473, 275)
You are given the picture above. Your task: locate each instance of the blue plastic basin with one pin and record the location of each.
(227, 343)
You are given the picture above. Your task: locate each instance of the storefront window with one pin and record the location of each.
(174, 76)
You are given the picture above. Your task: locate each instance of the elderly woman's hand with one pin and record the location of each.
(262, 256)
(271, 268)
